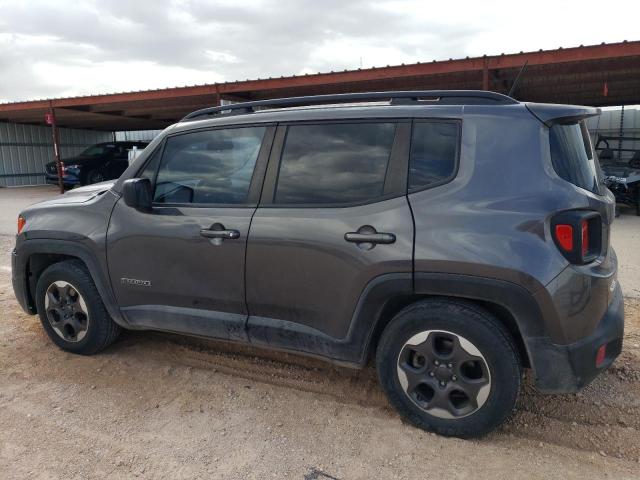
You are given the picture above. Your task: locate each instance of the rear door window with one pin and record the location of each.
(572, 156)
(334, 163)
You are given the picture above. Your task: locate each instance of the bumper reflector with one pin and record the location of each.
(601, 355)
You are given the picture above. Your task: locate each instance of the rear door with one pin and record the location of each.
(333, 217)
(180, 267)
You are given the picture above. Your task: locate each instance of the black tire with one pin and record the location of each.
(486, 334)
(93, 176)
(100, 330)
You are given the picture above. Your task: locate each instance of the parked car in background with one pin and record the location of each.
(621, 169)
(99, 162)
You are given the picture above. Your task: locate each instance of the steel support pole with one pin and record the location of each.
(485, 74)
(218, 98)
(56, 147)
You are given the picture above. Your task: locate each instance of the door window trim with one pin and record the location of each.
(257, 177)
(395, 182)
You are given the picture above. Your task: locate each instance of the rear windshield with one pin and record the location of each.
(572, 156)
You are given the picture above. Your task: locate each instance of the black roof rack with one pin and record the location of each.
(440, 97)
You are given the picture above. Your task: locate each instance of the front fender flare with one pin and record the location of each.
(27, 248)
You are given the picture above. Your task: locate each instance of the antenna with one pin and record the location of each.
(517, 80)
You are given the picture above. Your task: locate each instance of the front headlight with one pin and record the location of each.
(72, 167)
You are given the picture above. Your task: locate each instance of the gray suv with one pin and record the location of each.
(454, 238)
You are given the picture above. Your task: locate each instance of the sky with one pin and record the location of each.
(67, 48)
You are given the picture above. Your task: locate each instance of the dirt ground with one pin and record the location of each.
(169, 407)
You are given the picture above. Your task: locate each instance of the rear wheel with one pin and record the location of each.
(71, 310)
(449, 367)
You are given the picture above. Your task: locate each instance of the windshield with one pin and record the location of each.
(96, 150)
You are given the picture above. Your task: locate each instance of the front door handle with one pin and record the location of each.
(223, 234)
(218, 231)
(367, 235)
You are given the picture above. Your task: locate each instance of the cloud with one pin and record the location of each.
(51, 48)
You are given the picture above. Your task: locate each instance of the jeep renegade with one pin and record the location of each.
(454, 238)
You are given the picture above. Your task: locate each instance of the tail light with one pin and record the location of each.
(564, 237)
(21, 224)
(578, 235)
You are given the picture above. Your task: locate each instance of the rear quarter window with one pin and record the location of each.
(572, 156)
(434, 153)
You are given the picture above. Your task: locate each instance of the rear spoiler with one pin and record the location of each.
(551, 113)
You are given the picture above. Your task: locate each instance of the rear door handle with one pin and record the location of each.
(384, 238)
(369, 235)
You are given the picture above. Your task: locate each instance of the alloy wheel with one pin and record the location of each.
(444, 374)
(66, 311)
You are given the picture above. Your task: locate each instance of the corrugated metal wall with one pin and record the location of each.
(138, 136)
(25, 149)
(608, 124)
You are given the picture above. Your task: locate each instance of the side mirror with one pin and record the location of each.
(137, 193)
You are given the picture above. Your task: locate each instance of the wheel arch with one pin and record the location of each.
(512, 305)
(35, 256)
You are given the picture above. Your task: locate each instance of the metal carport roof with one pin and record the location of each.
(597, 75)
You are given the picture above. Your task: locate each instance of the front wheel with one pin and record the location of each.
(93, 176)
(71, 310)
(449, 367)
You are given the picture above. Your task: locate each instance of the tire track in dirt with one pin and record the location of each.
(356, 387)
(604, 418)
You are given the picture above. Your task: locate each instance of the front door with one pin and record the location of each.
(181, 266)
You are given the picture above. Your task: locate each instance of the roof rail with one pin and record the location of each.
(441, 97)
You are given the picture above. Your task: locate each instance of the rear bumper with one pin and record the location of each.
(568, 368)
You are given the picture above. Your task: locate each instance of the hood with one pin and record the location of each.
(77, 195)
(92, 189)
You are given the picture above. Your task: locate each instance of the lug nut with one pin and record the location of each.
(449, 365)
(436, 362)
(454, 378)
(443, 383)
(431, 374)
